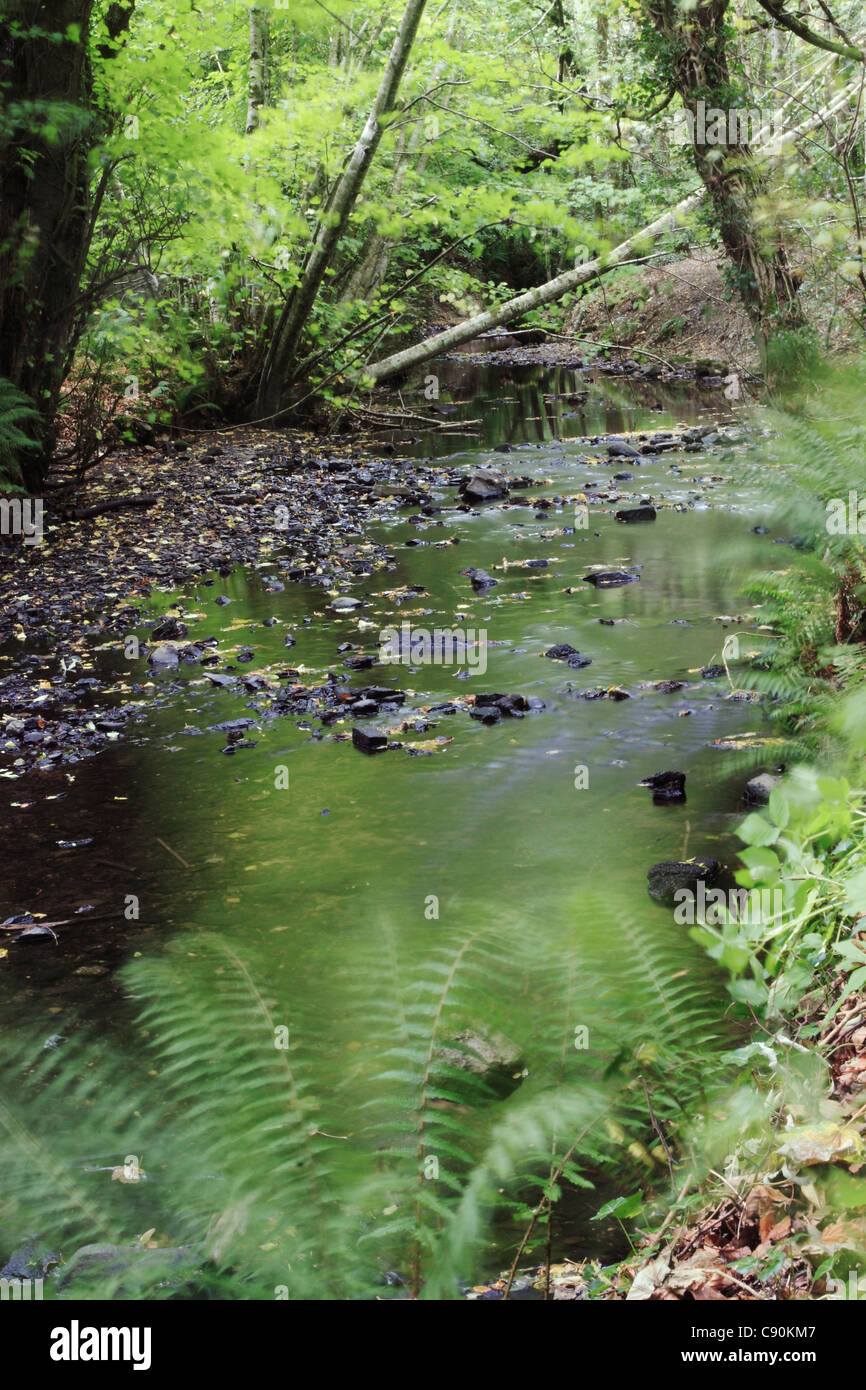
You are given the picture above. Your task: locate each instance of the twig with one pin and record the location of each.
(178, 857)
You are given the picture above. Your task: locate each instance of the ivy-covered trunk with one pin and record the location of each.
(694, 56)
(46, 137)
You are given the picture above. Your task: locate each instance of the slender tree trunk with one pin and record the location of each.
(733, 179)
(258, 67)
(283, 351)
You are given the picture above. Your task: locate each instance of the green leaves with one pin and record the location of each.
(623, 1208)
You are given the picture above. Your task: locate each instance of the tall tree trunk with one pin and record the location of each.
(45, 194)
(258, 67)
(282, 354)
(732, 177)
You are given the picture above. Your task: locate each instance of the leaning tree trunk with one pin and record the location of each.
(552, 290)
(732, 177)
(282, 355)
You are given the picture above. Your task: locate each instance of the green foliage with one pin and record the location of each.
(814, 473)
(800, 867)
(274, 1162)
(16, 415)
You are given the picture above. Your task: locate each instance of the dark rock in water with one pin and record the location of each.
(666, 786)
(668, 687)
(712, 673)
(537, 564)
(230, 726)
(192, 652)
(502, 449)
(483, 486)
(358, 663)
(480, 579)
(245, 654)
(757, 790)
(289, 640)
(618, 449)
(29, 1262)
(218, 679)
(136, 1270)
(163, 656)
(611, 579)
(222, 601)
(760, 530)
(362, 709)
(345, 603)
(35, 936)
(368, 740)
(623, 477)
(667, 877)
(169, 628)
(631, 514)
(563, 651)
(515, 706)
(442, 709)
(486, 714)
(382, 694)
(491, 1057)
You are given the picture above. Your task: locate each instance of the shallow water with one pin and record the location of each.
(492, 824)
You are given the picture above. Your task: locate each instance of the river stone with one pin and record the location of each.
(619, 449)
(666, 786)
(29, 1261)
(480, 579)
(163, 656)
(668, 876)
(632, 514)
(712, 673)
(610, 579)
(563, 651)
(131, 1269)
(344, 604)
(368, 740)
(757, 790)
(484, 485)
(486, 714)
(514, 706)
(491, 1057)
(168, 628)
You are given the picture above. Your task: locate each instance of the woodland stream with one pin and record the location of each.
(495, 826)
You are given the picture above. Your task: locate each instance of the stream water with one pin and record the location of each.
(492, 825)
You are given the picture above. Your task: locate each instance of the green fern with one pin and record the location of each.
(16, 411)
(291, 1171)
